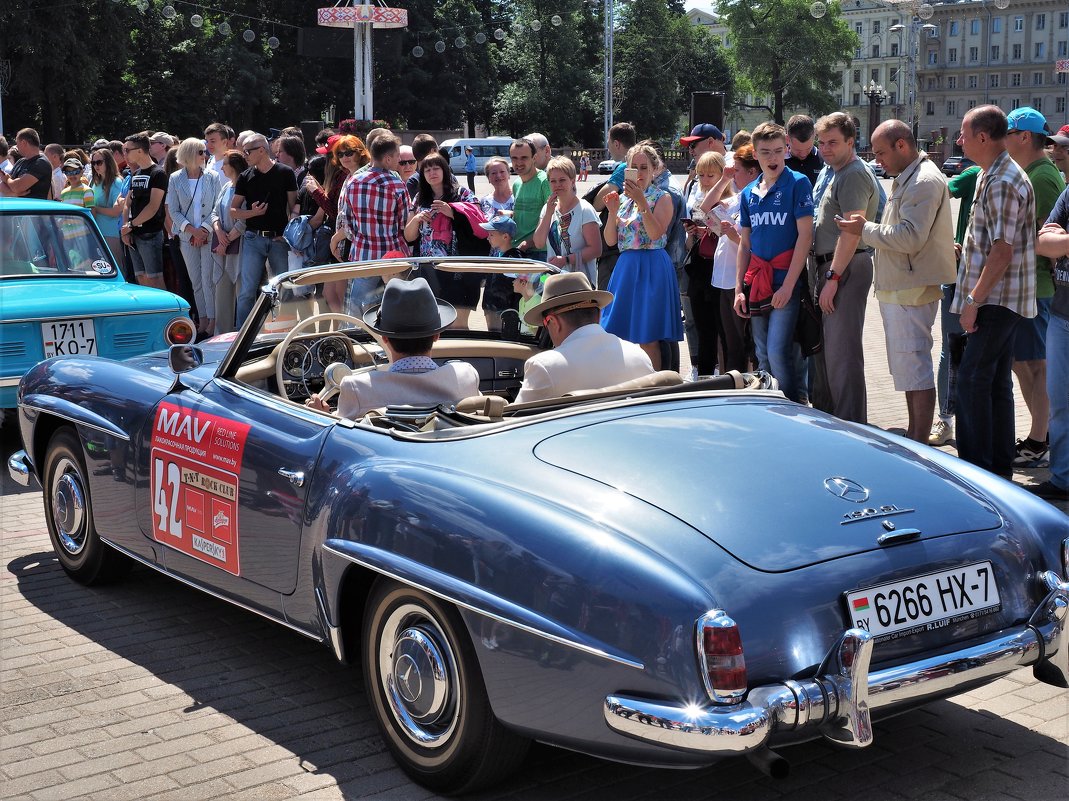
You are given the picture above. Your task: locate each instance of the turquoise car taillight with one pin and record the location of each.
(180, 331)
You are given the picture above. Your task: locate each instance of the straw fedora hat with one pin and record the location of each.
(566, 289)
(409, 310)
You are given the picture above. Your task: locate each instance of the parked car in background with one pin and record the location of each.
(605, 571)
(62, 294)
(606, 167)
(955, 165)
(879, 171)
(483, 149)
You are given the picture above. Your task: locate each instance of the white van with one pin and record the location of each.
(482, 149)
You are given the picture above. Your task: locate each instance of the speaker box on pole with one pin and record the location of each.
(707, 107)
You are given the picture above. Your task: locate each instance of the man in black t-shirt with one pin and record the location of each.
(142, 229)
(32, 174)
(804, 158)
(264, 197)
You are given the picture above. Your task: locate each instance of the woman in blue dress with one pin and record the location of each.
(645, 307)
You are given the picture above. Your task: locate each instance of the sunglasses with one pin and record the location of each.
(97, 162)
(407, 161)
(201, 152)
(346, 153)
(250, 150)
(72, 172)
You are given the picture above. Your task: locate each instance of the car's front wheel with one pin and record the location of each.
(424, 685)
(69, 514)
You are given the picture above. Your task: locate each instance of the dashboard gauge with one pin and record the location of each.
(334, 349)
(296, 359)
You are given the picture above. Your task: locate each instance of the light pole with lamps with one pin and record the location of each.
(917, 23)
(877, 96)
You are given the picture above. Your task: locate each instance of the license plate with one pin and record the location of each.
(925, 603)
(69, 338)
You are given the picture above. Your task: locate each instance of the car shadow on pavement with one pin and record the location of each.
(213, 659)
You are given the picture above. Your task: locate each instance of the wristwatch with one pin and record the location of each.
(970, 300)
(831, 275)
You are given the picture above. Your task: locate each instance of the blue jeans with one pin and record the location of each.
(255, 250)
(985, 392)
(1058, 390)
(951, 325)
(773, 335)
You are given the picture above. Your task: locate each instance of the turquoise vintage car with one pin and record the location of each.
(62, 294)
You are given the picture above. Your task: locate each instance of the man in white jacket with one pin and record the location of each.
(585, 356)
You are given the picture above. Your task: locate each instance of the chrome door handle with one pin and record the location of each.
(295, 477)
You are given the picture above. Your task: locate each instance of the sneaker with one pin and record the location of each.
(1049, 491)
(1031, 453)
(942, 433)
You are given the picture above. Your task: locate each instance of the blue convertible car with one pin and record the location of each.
(656, 572)
(61, 293)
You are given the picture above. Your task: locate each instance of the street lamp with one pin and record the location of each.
(877, 96)
(916, 25)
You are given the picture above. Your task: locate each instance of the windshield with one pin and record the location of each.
(58, 244)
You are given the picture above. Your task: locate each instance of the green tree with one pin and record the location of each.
(786, 54)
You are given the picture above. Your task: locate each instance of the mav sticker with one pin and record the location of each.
(195, 463)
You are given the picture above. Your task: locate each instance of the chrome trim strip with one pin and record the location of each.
(492, 615)
(20, 468)
(333, 631)
(10, 382)
(213, 593)
(110, 432)
(128, 313)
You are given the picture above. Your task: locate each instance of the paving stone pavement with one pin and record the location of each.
(150, 690)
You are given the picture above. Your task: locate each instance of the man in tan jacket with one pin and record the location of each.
(914, 257)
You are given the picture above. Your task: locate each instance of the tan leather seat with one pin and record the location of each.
(662, 378)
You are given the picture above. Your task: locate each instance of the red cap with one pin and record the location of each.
(330, 143)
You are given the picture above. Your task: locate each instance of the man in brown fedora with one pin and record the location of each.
(585, 355)
(409, 320)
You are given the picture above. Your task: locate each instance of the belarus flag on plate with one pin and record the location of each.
(861, 604)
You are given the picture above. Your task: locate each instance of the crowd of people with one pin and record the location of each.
(765, 257)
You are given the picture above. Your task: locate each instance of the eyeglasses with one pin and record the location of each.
(248, 151)
(406, 161)
(130, 149)
(97, 162)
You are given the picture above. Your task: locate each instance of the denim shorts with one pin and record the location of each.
(147, 254)
(1030, 338)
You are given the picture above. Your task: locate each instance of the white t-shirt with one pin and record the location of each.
(194, 207)
(573, 238)
(724, 268)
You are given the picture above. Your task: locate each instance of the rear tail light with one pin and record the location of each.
(180, 331)
(723, 666)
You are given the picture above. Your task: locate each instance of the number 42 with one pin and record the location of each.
(166, 507)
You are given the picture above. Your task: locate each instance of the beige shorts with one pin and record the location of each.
(908, 333)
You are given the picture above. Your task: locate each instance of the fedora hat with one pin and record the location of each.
(566, 289)
(409, 310)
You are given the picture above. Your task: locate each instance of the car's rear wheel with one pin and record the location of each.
(69, 515)
(424, 685)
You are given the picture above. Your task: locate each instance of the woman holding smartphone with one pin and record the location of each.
(645, 307)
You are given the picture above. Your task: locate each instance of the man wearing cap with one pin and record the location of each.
(1026, 142)
(704, 138)
(996, 288)
(1059, 151)
(584, 355)
(409, 321)
(159, 143)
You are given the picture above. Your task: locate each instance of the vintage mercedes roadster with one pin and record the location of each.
(658, 572)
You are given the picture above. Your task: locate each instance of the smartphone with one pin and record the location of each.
(631, 174)
(839, 218)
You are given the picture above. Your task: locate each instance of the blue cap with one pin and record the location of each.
(501, 224)
(704, 131)
(1027, 119)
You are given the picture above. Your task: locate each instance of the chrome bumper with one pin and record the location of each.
(837, 701)
(20, 468)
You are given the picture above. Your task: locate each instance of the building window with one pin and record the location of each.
(932, 83)
(857, 53)
(1063, 49)
(952, 55)
(1017, 52)
(1015, 103)
(857, 99)
(953, 27)
(952, 108)
(996, 52)
(1059, 105)
(996, 25)
(952, 82)
(859, 29)
(876, 50)
(1062, 77)
(974, 81)
(1041, 48)
(1015, 79)
(893, 100)
(972, 104)
(857, 76)
(876, 27)
(1063, 19)
(933, 57)
(1018, 24)
(875, 75)
(993, 80)
(1041, 22)
(929, 108)
(1037, 79)
(974, 54)
(974, 27)
(894, 48)
(1037, 104)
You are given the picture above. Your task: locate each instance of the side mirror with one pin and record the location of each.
(183, 358)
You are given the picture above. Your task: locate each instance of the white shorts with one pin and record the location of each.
(908, 333)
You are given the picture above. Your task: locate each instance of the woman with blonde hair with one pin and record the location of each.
(645, 307)
(191, 195)
(570, 228)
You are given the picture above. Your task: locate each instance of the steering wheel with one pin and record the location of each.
(315, 319)
(333, 375)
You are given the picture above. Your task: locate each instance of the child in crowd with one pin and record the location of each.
(499, 294)
(77, 192)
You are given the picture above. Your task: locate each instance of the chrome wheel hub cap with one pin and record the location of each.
(68, 508)
(419, 676)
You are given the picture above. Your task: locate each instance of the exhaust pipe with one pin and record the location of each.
(769, 763)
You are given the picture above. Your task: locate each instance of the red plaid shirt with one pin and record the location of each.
(375, 213)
